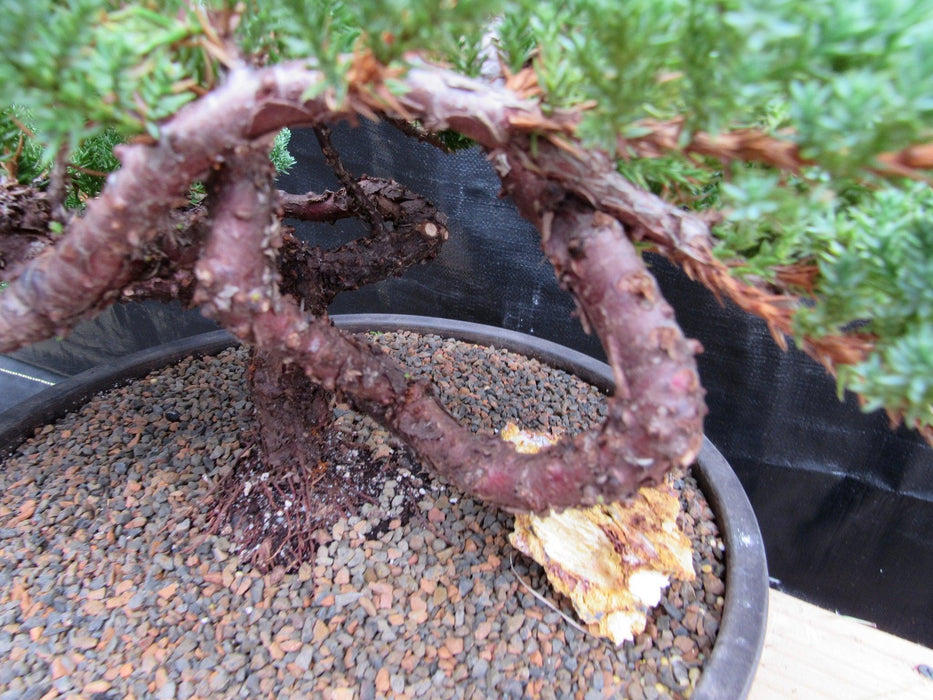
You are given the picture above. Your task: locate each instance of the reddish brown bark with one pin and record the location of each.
(655, 419)
(576, 199)
(655, 416)
(57, 291)
(24, 225)
(85, 272)
(327, 206)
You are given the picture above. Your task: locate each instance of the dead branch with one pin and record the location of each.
(364, 202)
(586, 213)
(412, 231)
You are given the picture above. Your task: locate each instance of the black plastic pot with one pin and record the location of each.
(729, 672)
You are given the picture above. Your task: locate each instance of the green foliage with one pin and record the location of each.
(323, 31)
(851, 78)
(466, 53)
(280, 157)
(392, 27)
(773, 219)
(90, 164)
(81, 66)
(876, 263)
(873, 246)
(856, 75)
(676, 178)
(20, 153)
(455, 141)
(844, 80)
(326, 30)
(898, 377)
(94, 159)
(515, 38)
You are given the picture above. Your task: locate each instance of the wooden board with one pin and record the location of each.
(813, 653)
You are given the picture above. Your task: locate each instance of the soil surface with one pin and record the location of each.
(110, 586)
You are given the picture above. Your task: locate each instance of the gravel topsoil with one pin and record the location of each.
(110, 587)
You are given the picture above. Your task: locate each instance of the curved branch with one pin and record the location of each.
(415, 235)
(586, 212)
(655, 419)
(500, 121)
(83, 275)
(85, 272)
(164, 269)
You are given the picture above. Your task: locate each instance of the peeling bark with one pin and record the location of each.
(411, 231)
(24, 217)
(84, 273)
(585, 211)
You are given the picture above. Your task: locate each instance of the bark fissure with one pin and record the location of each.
(411, 231)
(257, 101)
(581, 207)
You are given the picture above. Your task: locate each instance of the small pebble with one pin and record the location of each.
(411, 594)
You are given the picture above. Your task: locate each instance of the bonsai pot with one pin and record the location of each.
(729, 669)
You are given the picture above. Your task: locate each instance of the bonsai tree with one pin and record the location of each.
(779, 153)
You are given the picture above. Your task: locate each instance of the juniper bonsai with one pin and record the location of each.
(779, 153)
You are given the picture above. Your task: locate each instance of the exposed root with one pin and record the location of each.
(272, 515)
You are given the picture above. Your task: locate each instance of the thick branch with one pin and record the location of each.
(86, 271)
(164, 270)
(500, 121)
(655, 419)
(82, 276)
(655, 416)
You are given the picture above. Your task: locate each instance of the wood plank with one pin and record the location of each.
(810, 652)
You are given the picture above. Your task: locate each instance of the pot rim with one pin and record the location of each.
(730, 670)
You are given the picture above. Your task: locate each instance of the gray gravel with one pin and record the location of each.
(109, 587)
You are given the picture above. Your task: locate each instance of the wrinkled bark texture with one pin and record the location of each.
(291, 413)
(411, 231)
(24, 225)
(271, 290)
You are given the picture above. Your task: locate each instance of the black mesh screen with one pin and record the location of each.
(845, 504)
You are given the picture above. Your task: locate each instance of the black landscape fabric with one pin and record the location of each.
(845, 504)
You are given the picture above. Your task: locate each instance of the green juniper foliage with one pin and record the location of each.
(842, 80)
(81, 66)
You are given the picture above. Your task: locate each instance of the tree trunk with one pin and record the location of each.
(291, 413)
(298, 475)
